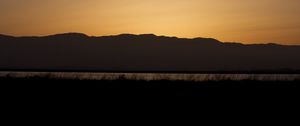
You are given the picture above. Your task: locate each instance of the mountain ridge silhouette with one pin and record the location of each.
(82, 35)
(145, 52)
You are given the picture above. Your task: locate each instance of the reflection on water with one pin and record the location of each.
(154, 76)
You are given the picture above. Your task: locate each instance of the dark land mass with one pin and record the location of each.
(122, 88)
(120, 97)
(144, 53)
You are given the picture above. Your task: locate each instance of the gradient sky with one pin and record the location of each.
(247, 21)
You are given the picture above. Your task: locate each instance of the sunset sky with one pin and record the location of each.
(247, 21)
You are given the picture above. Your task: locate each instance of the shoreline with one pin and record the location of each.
(152, 76)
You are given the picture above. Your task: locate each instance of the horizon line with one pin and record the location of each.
(140, 34)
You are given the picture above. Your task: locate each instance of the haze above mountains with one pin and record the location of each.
(146, 52)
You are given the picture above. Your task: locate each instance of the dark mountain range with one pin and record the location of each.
(146, 52)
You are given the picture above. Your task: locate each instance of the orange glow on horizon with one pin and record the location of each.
(247, 21)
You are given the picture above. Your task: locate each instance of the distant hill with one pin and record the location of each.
(5, 37)
(146, 52)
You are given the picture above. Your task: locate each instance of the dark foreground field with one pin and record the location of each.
(154, 96)
(132, 88)
(114, 97)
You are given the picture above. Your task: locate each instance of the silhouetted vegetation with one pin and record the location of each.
(122, 82)
(98, 90)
